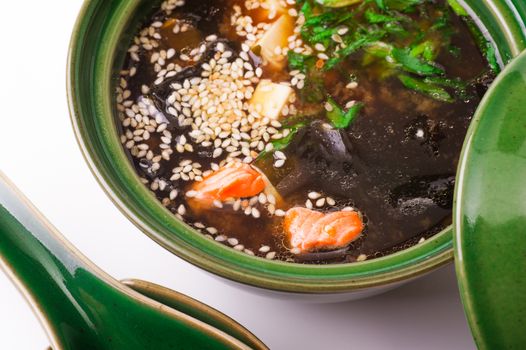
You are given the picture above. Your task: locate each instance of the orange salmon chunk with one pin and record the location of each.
(310, 230)
(236, 180)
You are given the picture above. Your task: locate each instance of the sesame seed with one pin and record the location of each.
(314, 195)
(264, 249)
(217, 152)
(270, 255)
(181, 210)
(255, 213)
(361, 257)
(342, 30)
(212, 230)
(221, 238)
(279, 163)
(352, 85)
(279, 212)
(279, 155)
(233, 241)
(319, 47)
(350, 104)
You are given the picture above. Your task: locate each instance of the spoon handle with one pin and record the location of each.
(81, 307)
(43, 265)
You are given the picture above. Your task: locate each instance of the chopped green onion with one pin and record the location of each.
(413, 64)
(431, 90)
(459, 10)
(337, 3)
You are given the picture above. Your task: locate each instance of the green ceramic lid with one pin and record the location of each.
(490, 215)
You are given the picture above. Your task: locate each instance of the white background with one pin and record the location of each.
(39, 153)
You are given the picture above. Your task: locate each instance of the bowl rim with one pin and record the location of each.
(124, 190)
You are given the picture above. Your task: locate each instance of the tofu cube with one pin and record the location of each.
(269, 98)
(276, 37)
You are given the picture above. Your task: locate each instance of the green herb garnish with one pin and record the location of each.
(432, 90)
(340, 119)
(413, 64)
(388, 39)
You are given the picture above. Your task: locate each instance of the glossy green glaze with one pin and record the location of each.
(196, 309)
(83, 308)
(97, 48)
(490, 217)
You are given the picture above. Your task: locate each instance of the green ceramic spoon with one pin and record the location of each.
(81, 307)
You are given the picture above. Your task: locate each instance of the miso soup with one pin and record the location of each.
(292, 130)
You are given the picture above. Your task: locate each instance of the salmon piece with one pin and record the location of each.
(310, 230)
(236, 180)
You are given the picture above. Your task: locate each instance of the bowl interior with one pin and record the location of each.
(99, 43)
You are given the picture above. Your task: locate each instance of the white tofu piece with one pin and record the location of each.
(269, 98)
(276, 37)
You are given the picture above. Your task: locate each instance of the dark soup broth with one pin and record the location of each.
(295, 131)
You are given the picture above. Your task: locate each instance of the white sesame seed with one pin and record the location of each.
(270, 255)
(221, 238)
(314, 195)
(279, 212)
(350, 104)
(319, 47)
(361, 257)
(181, 210)
(279, 163)
(233, 241)
(217, 152)
(264, 249)
(212, 230)
(352, 85)
(342, 30)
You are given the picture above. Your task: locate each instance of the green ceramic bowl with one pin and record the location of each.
(98, 46)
